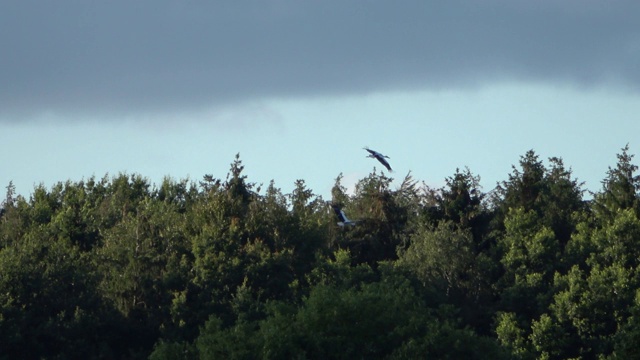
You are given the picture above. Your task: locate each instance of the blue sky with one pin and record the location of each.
(299, 88)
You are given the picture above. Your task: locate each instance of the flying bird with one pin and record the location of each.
(376, 155)
(342, 217)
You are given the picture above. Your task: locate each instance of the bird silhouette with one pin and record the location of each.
(376, 155)
(342, 217)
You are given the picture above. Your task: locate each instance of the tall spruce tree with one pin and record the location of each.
(619, 188)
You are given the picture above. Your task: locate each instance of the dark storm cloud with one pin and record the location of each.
(71, 57)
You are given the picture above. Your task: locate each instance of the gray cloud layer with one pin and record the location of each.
(132, 56)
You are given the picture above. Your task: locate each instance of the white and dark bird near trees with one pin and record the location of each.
(342, 217)
(376, 155)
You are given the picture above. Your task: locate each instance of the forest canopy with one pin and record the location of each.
(120, 268)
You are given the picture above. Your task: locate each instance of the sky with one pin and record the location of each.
(298, 88)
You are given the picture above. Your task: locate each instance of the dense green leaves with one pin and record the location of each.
(120, 268)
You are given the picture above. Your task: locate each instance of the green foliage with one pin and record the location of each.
(620, 188)
(461, 200)
(530, 258)
(548, 338)
(117, 267)
(383, 318)
(626, 345)
(444, 258)
(234, 343)
(49, 304)
(383, 215)
(511, 336)
(550, 192)
(617, 242)
(172, 351)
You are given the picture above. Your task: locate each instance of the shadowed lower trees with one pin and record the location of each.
(51, 306)
(381, 318)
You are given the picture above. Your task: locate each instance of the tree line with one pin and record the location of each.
(119, 268)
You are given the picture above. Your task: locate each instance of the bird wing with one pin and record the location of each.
(384, 162)
(344, 217)
(339, 213)
(380, 158)
(375, 153)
